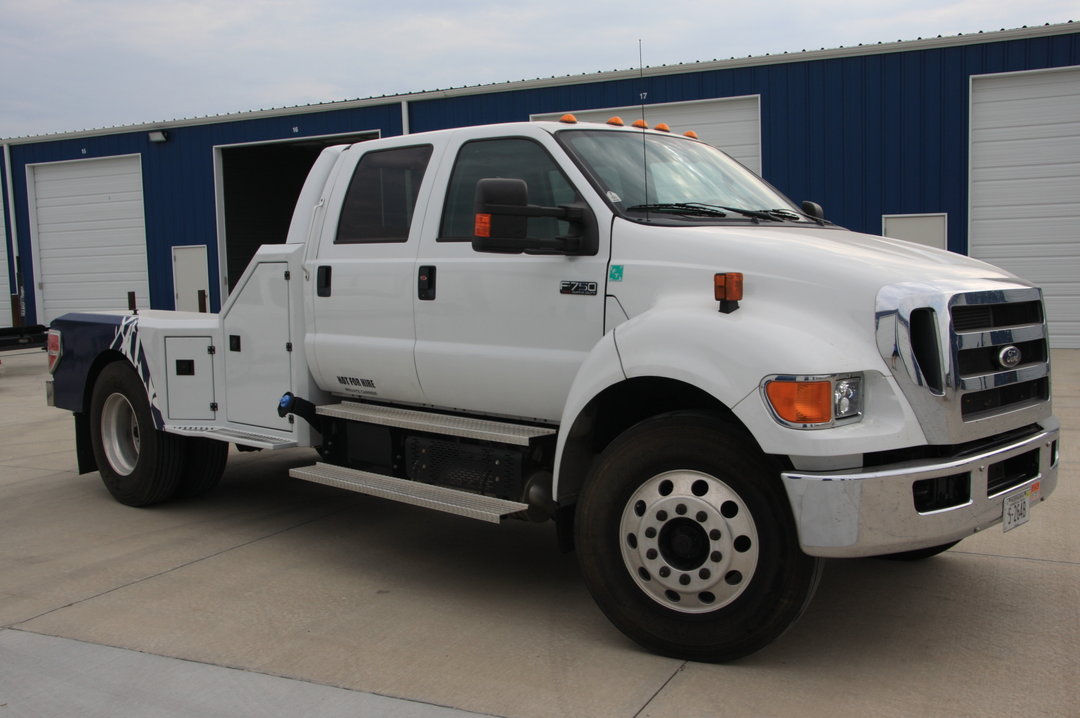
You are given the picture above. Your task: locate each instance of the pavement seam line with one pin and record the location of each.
(247, 670)
(223, 551)
(677, 671)
(1018, 558)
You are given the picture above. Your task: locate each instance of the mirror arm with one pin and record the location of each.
(572, 214)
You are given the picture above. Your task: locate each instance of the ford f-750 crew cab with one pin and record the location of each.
(707, 387)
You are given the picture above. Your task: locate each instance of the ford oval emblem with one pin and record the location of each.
(1009, 357)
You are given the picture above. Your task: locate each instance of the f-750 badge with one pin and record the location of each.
(586, 288)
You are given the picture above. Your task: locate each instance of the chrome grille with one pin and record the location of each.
(972, 363)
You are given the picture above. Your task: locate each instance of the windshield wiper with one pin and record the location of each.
(687, 208)
(716, 210)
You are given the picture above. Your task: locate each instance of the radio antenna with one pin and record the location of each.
(642, 95)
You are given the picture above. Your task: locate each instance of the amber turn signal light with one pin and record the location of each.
(801, 402)
(482, 225)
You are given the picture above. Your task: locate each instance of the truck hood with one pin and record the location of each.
(828, 279)
(808, 261)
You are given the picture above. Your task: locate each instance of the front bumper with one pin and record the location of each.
(846, 514)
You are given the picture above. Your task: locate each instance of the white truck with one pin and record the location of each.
(706, 386)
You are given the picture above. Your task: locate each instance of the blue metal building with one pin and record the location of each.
(946, 141)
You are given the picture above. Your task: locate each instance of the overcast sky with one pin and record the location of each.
(69, 65)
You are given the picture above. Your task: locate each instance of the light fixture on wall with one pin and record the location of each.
(159, 136)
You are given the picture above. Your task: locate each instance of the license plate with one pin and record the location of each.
(1015, 509)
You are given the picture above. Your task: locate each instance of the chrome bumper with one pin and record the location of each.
(845, 514)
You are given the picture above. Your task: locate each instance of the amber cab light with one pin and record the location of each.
(801, 402)
(568, 119)
(728, 286)
(616, 121)
(640, 124)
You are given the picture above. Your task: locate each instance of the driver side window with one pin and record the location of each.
(510, 158)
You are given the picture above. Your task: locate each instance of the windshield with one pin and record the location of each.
(645, 172)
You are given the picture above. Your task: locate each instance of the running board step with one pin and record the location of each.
(235, 436)
(497, 431)
(461, 503)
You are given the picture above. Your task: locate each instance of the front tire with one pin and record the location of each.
(687, 543)
(139, 464)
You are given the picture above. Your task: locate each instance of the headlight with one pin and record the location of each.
(813, 402)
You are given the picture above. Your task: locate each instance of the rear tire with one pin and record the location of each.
(687, 543)
(139, 464)
(204, 464)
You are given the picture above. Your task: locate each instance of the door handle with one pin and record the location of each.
(426, 284)
(322, 281)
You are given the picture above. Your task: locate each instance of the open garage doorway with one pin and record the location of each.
(257, 187)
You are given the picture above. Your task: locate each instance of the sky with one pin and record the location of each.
(70, 65)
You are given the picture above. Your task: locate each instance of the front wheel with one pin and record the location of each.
(139, 464)
(686, 541)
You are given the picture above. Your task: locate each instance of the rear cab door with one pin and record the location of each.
(505, 334)
(361, 277)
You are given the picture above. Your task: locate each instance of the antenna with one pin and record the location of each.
(642, 95)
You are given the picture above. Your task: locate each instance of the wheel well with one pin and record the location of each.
(102, 361)
(619, 407)
(84, 452)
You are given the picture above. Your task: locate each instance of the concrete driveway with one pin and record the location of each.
(272, 596)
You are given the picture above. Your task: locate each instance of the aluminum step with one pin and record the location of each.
(236, 436)
(451, 501)
(497, 431)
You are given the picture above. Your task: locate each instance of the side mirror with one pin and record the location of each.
(813, 209)
(502, 213)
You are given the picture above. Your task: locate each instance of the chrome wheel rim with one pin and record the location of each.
(689, 541)
(120, 434)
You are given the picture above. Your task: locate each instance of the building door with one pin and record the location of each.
(6, 288)
(1025, 168)
(190, 276)
(88, 234)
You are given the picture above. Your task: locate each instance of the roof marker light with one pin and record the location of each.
(662, 127)
(616, 120)
(568, 119)
(691, 134)
(640, 124)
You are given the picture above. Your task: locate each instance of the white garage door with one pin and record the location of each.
(733, 124)
(5, 284)
(89, 235)
(1025, 174)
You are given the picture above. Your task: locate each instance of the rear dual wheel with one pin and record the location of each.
(687, 543)
(139, 464)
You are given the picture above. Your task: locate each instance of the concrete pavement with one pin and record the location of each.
(275, 597)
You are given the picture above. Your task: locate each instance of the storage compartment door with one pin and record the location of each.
(189, 376)
(258, 367)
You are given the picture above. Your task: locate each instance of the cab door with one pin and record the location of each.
(361, 280)
(504, 334)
